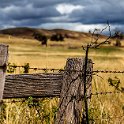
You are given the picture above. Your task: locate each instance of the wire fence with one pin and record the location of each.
(12, 68)
(35, 102)
(38, 106)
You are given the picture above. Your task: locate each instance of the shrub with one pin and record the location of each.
(57, 37)
(42, 38)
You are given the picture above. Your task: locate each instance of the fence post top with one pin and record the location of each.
(3, 45)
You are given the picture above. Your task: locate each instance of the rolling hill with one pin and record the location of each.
(25, 32)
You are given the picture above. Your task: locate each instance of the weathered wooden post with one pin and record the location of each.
(3, 64)
(72, 93)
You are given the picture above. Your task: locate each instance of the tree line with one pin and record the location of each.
(44, 39)
(118, 36)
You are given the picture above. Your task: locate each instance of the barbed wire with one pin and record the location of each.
(92, 94)
(105, 93)
(47, 69)
(35, 68)
(62, 70)
(91, 45)
(107, 71)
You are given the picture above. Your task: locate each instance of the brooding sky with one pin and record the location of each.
(79, 15)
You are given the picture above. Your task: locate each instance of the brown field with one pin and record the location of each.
(104, 109)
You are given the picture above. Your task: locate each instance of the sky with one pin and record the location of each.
(77, 15)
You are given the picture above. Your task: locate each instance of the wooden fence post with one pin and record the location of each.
(71, 97)
(3, 63)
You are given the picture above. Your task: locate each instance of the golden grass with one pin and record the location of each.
(26, 50)
(104, 109)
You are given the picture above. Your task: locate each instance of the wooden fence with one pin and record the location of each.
(68, 85)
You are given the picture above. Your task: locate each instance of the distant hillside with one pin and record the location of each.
(28, 32)
(25, 32)
(19, 32)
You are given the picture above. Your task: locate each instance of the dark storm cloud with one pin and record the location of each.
(20, 13)
(100, 11)
(35, 3)
(29, 12)
(38, 13)
(6, 3)
(44, 3)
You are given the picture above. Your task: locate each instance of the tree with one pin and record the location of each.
(118, 36)
(42, 38)
(57, 37)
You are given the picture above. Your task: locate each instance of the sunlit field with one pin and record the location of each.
(103, 109)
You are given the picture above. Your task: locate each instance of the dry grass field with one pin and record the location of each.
(104, 109)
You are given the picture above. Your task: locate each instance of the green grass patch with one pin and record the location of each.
(104, 58)
(108, 49)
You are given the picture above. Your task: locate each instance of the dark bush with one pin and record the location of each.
(118, 36)
(42, 38)
(57, 37)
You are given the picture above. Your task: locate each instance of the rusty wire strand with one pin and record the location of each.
(107, 71)
(105, 93)
(63, 70)
(92, 94)
(91, 45)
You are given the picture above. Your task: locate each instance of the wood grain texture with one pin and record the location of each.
(36, 85)
(3, 63)
(71, 97)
